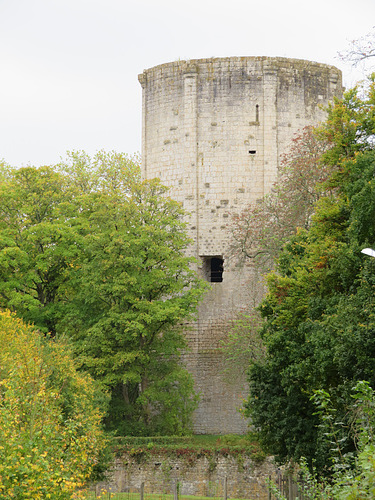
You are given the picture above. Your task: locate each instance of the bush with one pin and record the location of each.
(50, 424)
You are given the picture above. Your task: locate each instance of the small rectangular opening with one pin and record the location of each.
(213, 268)
(252, 152)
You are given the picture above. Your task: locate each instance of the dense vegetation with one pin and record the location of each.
(89, 252)
(50, 420)
(191, 447)
(318, 318)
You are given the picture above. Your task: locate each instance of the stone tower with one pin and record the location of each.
(213, 131)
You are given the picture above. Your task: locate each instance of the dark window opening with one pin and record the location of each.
(252, 152)
(257, 113)
(213, 268)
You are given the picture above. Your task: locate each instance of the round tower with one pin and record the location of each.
(214, 131)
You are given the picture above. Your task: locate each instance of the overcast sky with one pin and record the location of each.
(69, 68)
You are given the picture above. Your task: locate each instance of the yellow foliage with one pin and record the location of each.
(50, 432)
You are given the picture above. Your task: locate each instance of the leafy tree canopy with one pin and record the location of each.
(133, 290)
(319, 326)
(89, 251)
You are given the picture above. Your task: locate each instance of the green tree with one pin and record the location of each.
(41, 228)
(353, 476)
(37, 243)
(89, 251)
(107, 171)
(319, 313)
(133, 290)
(50, 426)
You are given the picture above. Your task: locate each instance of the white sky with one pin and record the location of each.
(69, 67)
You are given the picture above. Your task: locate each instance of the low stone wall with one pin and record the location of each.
(203, 476)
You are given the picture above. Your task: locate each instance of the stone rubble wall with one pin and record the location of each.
(203, 477)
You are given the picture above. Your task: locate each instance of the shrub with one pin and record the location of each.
(50, 425)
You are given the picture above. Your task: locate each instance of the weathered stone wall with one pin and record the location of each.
(214, 131)
(245, 478)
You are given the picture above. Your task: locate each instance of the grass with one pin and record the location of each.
(191, 447)
(194, 441)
